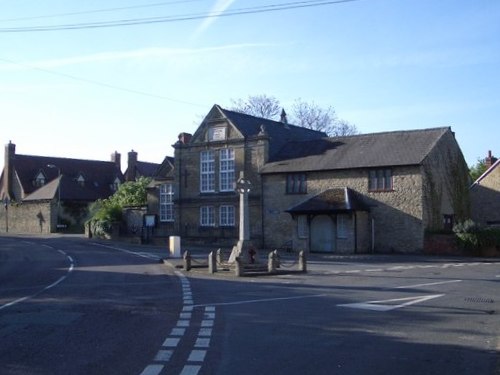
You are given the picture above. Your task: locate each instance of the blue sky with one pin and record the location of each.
(382, 64)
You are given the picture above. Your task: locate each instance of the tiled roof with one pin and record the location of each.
(332, 200)
(357, 151)
(146, 169)
(279, 133)
(98, 177)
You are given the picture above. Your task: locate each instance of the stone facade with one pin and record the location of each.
(33, 217)
(485, 196)
(427, 192)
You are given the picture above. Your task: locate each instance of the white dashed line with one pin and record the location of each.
(428, 284)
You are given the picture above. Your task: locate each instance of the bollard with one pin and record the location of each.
(187, 260)
(238, 267)
(212, 263)
(271, 262)
(277, 259)
(219, 256)
(302, 261)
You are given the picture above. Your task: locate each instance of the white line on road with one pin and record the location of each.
(58, 281)
(261, 300)
(428, 284)
(383, 306)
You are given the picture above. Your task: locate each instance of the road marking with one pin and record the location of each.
(152, 370)
(190, 370)
(58, 281)
(382, 306)
(262, 300)
(428, 284)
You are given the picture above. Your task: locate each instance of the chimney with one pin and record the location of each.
(132, 166)
(284, 120)
(117, 159)
(490, 160)
(184, 138)
(10, 153)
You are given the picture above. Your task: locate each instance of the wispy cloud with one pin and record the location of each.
(138, 54)
(218, 8)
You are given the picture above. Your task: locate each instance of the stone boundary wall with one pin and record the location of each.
(27, 218)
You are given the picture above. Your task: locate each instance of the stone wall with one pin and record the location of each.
(397, 214)
(446, 184)
(33, 218)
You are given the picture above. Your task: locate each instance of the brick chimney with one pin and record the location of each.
(117, 159)
(490, 160)
(184, 138)
(10, 153)
(132, 166)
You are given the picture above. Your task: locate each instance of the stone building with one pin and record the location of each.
(485, 194)
(43, 194)
(373, 192)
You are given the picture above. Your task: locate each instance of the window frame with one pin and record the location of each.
(227, 215)
(207, 216)
(380, 179)
(166, 203)
(296, 183)
(226, 169)
(207, 171)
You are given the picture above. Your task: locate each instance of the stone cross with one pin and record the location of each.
(243, 187)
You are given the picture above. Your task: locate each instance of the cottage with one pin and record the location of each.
(44, 194)
(485, 194)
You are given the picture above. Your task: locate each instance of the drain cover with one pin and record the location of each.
(479, 300)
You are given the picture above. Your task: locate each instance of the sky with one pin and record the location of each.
(85, 92)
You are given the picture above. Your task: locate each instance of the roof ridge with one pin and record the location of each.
(64, 158)
(393, 132)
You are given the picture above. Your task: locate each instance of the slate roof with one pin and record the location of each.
(386, 149)
(99, 177)
(279, 133)
(331, 200)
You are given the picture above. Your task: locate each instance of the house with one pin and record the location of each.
(485, 194)
(43, 194)
(137, 169)
(372, 192)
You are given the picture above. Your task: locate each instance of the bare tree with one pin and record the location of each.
(258, 105)
(342, 128)
(307, 115)
(311, 116)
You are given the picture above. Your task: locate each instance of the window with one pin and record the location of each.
(166, 203)
(207, 172)
(39, 180)
(116, 184)
(342, 223)
(207, 216)
(226, 216)
(226, 169)
(448, 222)
(302, 230)
(380, 180)
(80, 180)
(296, 183)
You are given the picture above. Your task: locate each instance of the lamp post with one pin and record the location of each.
(58, 192)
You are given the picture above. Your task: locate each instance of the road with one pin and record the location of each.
(99, 308)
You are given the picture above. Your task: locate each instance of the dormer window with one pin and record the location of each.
(116, 184)
(39, 180)
(80, 180)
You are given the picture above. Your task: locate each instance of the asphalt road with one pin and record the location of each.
(73, 306)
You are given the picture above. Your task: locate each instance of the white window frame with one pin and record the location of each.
(40, 180)
(226, 169)
(207, 171)
(302, 227)
(227, 216)
(207, 216)
(342, 226)
(166, 203)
